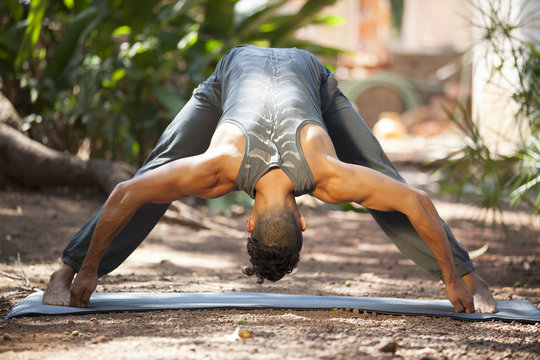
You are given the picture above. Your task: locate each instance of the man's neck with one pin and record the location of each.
(274, 188)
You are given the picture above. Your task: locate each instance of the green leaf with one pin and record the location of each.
(329, 20)
(121, 31)
(111, 81)
(138, 14)
(219, 18)
(189, 39)
(213, 45)
(69, 4)
(33, 29)
(68, 43)
(135, 147)
(17, 9)
(253, 22)
(11, 39)
(265, 28)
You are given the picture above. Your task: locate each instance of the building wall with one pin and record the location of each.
(493, 106)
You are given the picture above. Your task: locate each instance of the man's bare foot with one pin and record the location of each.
(57, 292)
(483, 300)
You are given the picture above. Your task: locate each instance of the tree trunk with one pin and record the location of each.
(32, 164)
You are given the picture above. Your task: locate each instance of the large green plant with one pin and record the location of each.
(495, 180)
(501, 180)
(114, 72)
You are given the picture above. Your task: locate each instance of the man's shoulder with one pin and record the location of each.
(318, 150)
(314, 139)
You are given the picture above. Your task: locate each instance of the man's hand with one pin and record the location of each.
(82, 287)
(459, 295)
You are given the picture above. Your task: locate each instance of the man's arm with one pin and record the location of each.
(339, 182)
(199, 175)
(379, 192)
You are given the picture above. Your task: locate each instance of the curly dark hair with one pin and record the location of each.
(274, 245)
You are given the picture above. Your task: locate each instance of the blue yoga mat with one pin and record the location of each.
(516, 310)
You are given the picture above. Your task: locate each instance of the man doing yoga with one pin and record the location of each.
(273, 123)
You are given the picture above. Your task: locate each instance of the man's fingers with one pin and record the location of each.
(77, 300)
(73, 302)
(469, 305)
(77, 295)
(459, 296)
(85, 300)
(457, 305)
(464, 305)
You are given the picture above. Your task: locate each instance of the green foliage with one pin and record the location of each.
(496, 181)
(33, 28)
(526, 180)
(396, 8)
(499, 180)
(507, 40)
(528, 93)
(116, 71)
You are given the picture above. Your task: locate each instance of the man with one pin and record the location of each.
(273, 123)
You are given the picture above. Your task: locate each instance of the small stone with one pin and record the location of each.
(355, 311)
(99, 339)
(6, 337)
(388, 346)
(244, 335)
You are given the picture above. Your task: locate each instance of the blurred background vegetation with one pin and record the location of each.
(496, 179)
(105, 77)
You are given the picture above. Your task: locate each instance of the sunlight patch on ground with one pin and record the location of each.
(151, 254)
(455, 211)
(325, 257)
(17, 211)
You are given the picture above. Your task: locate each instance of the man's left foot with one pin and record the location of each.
(57, 292)
(483, 300)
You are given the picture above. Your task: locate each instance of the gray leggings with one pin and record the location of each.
(190, 133)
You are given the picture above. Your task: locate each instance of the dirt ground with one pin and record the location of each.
(344, 253)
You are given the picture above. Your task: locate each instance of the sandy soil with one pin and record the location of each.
(344, 254)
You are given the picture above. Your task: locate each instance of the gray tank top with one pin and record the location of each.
(271, 94)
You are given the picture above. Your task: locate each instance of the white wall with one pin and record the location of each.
(432, 25)
(493, 106)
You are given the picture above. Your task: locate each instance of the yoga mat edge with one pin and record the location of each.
(516, 310)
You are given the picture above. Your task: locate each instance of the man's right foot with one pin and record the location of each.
(57, 292)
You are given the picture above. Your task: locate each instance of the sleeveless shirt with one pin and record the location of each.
(270, 94)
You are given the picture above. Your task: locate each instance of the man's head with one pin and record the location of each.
(275, 243)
